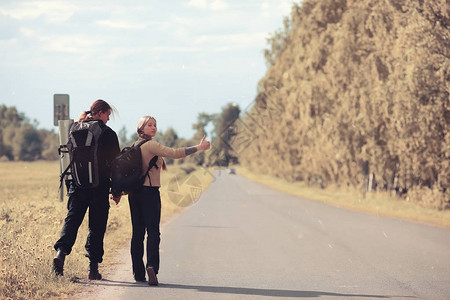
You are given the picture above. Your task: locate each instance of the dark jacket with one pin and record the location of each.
(108, 149)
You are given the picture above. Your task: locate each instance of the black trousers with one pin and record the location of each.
(145, 208)
(97, 200)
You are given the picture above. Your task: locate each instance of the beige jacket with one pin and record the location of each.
(149, 150)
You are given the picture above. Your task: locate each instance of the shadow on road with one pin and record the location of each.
(107, 282)
(240, 290)
(269, 292)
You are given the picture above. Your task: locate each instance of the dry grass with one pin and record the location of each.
(31, 218)
(374, 203)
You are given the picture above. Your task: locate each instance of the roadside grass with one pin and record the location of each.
(378, 203)
(31, 218)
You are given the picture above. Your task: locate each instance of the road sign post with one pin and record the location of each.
(61, 119)
(61, 108)
(64, 126)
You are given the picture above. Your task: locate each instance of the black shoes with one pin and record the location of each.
(94, 275)
(152, 279)
(58, 263)
(58, 266)
(140, 280)
(93, 271)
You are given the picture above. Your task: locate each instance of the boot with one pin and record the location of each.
(152, 279)
(93, 271)
(58, 263)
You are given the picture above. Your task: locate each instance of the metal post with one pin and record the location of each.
(64, 126)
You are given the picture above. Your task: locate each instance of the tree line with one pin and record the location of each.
(357, 94)
(20, 140)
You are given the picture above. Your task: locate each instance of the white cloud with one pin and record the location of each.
(202, 4)
(265, 6)
(121, 24)
(218, 5)
(208, 4)
(279, 7)
(163, 49)
(52, 11)
(126, 49)
(222, 42)
(27, 32)
(80, 43)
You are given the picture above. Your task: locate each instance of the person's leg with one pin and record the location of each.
(152, 219)
(77, 206)
(98, 218)
(137, 238)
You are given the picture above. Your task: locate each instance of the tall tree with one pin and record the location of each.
(356, 93)
(222, 152)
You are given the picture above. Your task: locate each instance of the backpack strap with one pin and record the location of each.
(141, 143)
(64, 174)
(151, 164)
(62, 149)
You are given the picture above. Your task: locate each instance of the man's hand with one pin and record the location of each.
(116, 198)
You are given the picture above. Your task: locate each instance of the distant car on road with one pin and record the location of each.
(231, 171)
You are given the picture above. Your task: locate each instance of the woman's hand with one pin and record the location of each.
(204, 145)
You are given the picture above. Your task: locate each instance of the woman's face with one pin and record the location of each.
(150, 129)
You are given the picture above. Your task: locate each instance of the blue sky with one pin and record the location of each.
(169, 59)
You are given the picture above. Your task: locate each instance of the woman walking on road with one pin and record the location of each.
(145, 204)
(95, 198)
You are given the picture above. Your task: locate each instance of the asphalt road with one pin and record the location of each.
(242, 240)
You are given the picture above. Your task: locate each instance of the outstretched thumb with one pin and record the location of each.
(203, 139)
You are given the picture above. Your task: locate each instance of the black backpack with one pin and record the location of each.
(82, 147)
(126, 170)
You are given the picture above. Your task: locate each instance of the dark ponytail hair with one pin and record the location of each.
(96, 107)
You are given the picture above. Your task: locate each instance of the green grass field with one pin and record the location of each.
(31, 218)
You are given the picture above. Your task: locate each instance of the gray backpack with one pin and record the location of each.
(82, 147)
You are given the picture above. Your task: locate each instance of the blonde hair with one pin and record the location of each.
(140, 131)
(142, 123)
